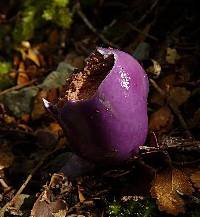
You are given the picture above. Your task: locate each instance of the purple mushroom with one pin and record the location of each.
(104, 109)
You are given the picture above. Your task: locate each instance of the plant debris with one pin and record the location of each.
(42, 43)
(165, 187)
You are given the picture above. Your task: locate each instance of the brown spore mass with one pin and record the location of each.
(84, 84)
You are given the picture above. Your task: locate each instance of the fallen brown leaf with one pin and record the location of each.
(55, 128)
(195, 178)
(22, 77)
(80, 195)
(19, 201)
(9, 119)
(25, 118)
(164, 190)
(33, 55)
(50, 203)
(161, 120)
(48, 206)
(27, 52)
(25, 127)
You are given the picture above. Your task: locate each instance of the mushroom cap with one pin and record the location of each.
(109, 127)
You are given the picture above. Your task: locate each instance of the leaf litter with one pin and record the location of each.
(33, 149)
(165, 187)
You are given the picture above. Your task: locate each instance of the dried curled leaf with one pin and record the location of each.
(195, 178)
(80, 195)
(161, 120)
(29, 53)
(46, 206)
(19, 201)
(33, 55)
(55, 128)
(22, 77)
(164, 189)
(51, 202)
(154, 69)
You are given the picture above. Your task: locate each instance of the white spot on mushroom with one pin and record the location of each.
(125, 79)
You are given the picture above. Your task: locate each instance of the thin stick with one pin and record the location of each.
(142, 32)
(172, 105)
(23, 186)
(156, 140)
(17, 87)
(92, 28)
(147, 12)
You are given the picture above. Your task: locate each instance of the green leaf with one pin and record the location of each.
(24, 28)
(34, 13)
(61, 3)
(4, 67)
(20, 102)
(57, 78)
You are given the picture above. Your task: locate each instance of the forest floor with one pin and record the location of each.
(164, 179)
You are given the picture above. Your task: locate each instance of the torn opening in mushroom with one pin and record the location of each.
(84, 84)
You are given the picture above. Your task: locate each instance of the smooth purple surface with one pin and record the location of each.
(110, 127)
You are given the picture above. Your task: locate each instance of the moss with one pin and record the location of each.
(24, 27)
(4, 67)
(34, 14)
(132, 208)
(5, 80)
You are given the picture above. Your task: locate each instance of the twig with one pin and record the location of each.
(180, 143)
(17, 87)
(168, 145)
(147, 12)
(106, 28)
(23, 186)
(194, 83)
(160, 91)
(186, 163)
(183, 147)
(172, 105)
(92, 28)
(142, 32)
